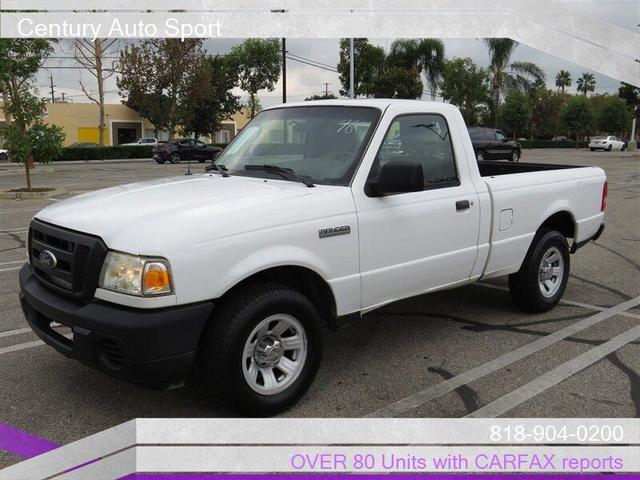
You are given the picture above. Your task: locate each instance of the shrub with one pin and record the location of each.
(111, 153)
(550, 144)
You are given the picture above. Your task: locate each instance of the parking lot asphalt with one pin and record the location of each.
(447, 354)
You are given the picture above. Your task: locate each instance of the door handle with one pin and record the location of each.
(463, 205)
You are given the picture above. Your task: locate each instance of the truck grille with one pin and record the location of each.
(66, 261)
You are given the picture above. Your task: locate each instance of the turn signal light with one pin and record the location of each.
(155, 279)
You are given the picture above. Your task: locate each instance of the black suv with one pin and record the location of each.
(492, 144)
(185, 149)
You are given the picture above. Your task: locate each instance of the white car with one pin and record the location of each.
(142, 142)
(4, 155)
(369, 202)
(609, 144)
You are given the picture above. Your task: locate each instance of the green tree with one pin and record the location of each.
(586, 83)
(465, 85)
(210, 100)
(563, 80)
(631, 96)
(506, 75)
(397, 82)
(369, 63)
(27, 138)
(425, 56)
(546, 107)
(515, 114)
(577, 117)
(611, 114)
(155, 76)
(257, 63)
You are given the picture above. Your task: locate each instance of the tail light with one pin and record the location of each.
(605, 192)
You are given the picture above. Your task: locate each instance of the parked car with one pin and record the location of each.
(232, 274)
(492, 144)
(184, 149)
(84, 145)
(609, 144)
(4, 155)
(560, 138)
(142, 142)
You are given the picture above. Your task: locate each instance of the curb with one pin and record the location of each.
(82, 162)
(31, 195)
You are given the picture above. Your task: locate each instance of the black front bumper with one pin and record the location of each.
(154, 348)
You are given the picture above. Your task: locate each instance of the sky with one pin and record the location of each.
(304, 80)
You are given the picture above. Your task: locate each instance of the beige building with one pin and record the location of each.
(123, 125)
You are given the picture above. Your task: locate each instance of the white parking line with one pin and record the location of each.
(12, 262)
(21, 346)
(562, 302)
(544, 382)
(10, 269)
(17, 331)
(442, 388)
(13, 232)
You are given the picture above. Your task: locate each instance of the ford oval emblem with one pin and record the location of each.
(48, 259)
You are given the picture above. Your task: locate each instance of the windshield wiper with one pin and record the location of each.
(222, 169)
(287, 173)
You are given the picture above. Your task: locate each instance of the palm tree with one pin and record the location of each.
(506, 76)
(563, 79)
(424, 56)
(586, 83)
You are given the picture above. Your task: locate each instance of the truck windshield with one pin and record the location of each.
(322, 143)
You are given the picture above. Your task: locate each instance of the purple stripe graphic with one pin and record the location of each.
(375, 476)
(21, 443)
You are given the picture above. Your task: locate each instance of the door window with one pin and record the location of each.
(199, 144)
(423, 139)
(501, 137)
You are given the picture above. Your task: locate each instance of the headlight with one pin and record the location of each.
(135, 275)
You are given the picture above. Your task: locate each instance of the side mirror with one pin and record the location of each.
(398, 177)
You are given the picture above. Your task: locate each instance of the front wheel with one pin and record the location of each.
(540, 283)
(610, 148)
(262, 349)
(515, 156)
(174, 158)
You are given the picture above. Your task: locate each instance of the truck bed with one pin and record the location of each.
(495, 168)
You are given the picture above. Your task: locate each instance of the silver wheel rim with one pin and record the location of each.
(516, 156)
(551, 272)
(274, 354)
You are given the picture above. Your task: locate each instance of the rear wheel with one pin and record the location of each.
(262, 349)
(160, 160)
(174, 158)
(515, 156)
(540, 283)
(609, 148)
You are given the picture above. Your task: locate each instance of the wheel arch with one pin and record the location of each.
(563, 221)
(303, 278)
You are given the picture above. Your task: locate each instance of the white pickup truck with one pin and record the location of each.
(314, 215)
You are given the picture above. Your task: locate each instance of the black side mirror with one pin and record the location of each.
(398, 177)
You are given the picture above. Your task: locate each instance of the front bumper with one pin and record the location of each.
(154, 348)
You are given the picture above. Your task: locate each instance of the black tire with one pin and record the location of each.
(515, 156)
(524, 285)
(220, 359)
(593, 149)
(480, 156)
(160, 160)
(4, 157)
(174, 158)
(624, 147)
(610, 148)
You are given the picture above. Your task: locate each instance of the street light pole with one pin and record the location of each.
(352, 70)
(284, 70)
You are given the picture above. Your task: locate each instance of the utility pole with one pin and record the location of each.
(63, 99)
(284, 70)
(326, 89)
(352, 71)
(53, 93)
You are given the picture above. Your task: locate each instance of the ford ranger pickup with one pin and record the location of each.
(315, 214)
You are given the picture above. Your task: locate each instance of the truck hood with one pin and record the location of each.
(146, 217)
